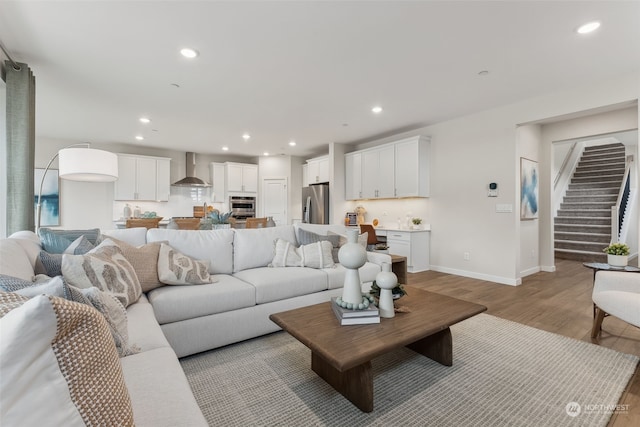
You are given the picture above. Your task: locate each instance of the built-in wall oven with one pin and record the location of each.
(243, 207)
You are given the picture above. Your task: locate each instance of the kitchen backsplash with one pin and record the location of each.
(181, 203)
(388, 211)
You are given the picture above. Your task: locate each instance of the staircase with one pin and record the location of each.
(583, 224)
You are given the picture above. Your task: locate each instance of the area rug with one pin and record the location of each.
(503, 374)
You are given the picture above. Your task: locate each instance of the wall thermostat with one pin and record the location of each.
(493, 189)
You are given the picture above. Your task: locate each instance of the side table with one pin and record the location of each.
(598, 266)
(399, 268)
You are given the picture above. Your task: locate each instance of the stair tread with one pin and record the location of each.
(576, 251)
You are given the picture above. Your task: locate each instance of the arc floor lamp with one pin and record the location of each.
(81, 164)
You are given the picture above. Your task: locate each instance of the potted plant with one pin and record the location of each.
(417, 223)
(617, 254)
(219, 220)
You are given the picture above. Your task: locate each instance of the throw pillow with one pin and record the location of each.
(106, 268)
(144, 260)
(56, 241)
(12, 284)
(362, 239)
(72, 369)
(115, 315)
(317, 255)
(51, 264)
(175, 268)
(314, 255)
(286, 255)
(305, 237)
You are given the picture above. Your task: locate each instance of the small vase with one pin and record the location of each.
(172, 225)
(617, 260)
(386, 280)
(270, 222)
(352, 256)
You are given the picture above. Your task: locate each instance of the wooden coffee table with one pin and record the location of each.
(342, 355)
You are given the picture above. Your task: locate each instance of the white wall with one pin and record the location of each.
(3, 158)
(289, 167)
(474, 150)
(528, 139)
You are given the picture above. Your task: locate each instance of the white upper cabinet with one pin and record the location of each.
(411, 168)
(377, 173)
(318, 170)
(397, 169)
(241, 178)
(305, 176)
(217, 182)
(142, 178)
(353, 176)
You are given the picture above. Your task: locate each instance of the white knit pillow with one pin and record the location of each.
(286, 255)
(59, 365)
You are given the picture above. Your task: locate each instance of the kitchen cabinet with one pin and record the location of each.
(393, 170)
(142, 178)
(353, 176)
(411, 171)
(241, 178)
(318, 170)
(305, 176)
(217, 182)
(377, 172)
(413, 244)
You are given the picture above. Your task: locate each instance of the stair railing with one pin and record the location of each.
(618, 210)
(564, 164)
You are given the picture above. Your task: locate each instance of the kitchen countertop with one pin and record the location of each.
(425, 227)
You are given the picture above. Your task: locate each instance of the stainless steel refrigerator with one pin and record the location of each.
(315, 204)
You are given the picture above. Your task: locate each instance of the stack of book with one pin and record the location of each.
(355, 317)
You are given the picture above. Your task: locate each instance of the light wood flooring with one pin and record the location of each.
(558, 302)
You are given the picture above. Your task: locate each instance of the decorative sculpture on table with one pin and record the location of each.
(386, 281)
(352, 256)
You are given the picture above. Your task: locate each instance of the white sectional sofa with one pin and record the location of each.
(175, 321)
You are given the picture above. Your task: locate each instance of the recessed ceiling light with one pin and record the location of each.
(189, 53)
(225, 148)
(266, 153)
(246, 136)
(145, 120)
(377, 109)
(139, 137)
(588, 27)
(292, 143)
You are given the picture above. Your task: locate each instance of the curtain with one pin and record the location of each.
(20, 147)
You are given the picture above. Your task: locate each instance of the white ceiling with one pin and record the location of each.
(308, 71)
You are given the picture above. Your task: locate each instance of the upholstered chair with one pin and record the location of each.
(616, 293)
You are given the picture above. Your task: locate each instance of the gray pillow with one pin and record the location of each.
(12, 284)
(51, 264)
(57, 241)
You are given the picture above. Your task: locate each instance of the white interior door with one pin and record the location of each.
(275, 200)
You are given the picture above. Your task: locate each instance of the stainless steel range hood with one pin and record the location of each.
(191, 180)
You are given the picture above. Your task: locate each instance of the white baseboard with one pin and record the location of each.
(548, 268)
(530, 271)
(479, 276)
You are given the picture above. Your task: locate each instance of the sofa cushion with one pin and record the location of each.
(144, 330)
(58, 365)
(175, 303)
(274, 284)
(175, 268)
(14, 260)
(215, 246)
(51, 264)
(305, 237)
(336, 275)
(56, 241)
(160, 392)
(136, 236)
(255, 247)
(30, 242)
(106, 268)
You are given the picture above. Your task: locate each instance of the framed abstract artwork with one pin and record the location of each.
(50, 197)
(528, 189)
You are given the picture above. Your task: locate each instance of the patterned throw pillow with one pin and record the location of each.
(51, 264)
(12, 284)
(106, 268)
(57, 241)
(77, 379)
(305, 237)
(313, 255)
(175, 268)
(144, 260)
